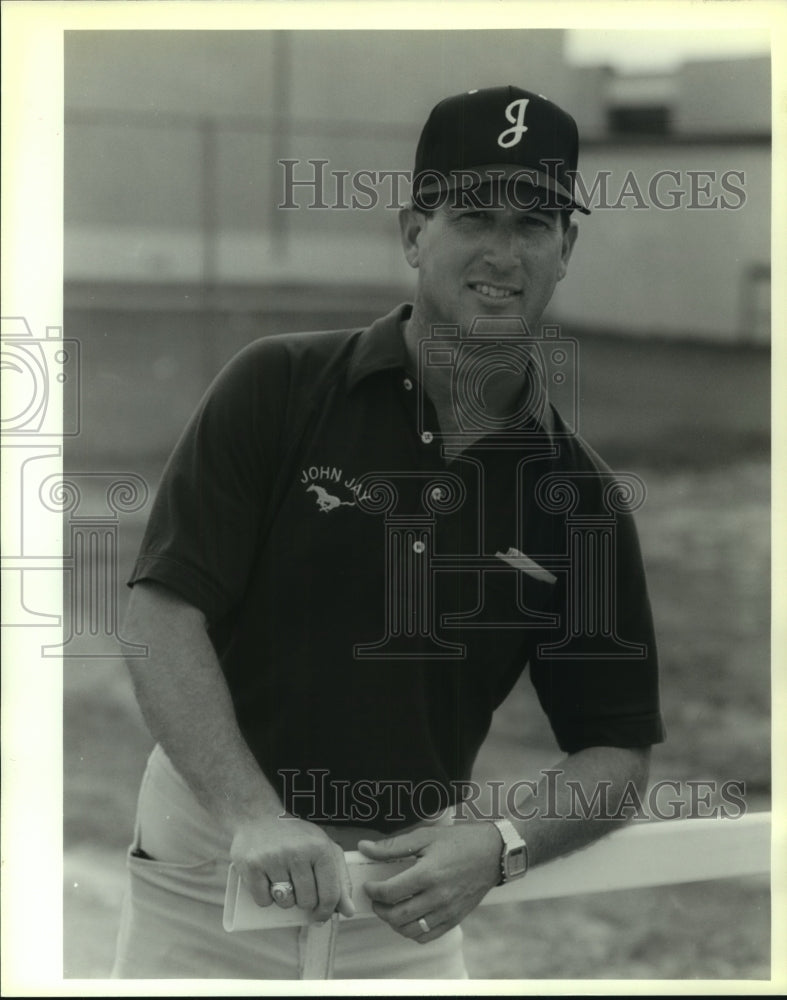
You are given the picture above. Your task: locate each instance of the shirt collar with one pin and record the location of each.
(380, 347)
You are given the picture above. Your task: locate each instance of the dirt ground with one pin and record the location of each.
(705, 535)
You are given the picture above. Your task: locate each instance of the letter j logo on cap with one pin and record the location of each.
(515, 113)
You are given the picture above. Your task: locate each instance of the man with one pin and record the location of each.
(359, 543)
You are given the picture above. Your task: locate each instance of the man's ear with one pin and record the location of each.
(569, 239)
(411, 225)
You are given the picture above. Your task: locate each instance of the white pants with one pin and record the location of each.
(171, 922)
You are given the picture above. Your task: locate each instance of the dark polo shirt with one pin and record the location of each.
(373, 593)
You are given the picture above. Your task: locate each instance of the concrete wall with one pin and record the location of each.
(636, 269)
(172, 135)
(724, 96)
(172, 175)
(384, 76)
(649, 270)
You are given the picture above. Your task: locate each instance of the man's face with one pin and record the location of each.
(502, 261)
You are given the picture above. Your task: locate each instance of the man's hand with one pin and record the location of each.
(285, 849)
(456, 867)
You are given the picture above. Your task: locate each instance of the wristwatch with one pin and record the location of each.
(513, 857)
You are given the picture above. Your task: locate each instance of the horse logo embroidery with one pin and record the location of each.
(326, 501)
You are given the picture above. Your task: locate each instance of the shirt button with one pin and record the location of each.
(437, 493)
(418, 547)
(408, 384)
(427, 437)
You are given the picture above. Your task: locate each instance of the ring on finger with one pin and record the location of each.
(424, 925)
(282, 892)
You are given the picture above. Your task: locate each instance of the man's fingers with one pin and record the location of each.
(400, 915)
(302, 877)
(407, 883)
(328, 884)
(407, 845)
(409, 926)
(415, 931)
(259, 887)
(396, 888)
(346, 906)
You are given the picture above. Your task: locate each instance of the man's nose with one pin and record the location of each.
(504, 248)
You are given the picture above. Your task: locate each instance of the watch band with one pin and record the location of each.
(513, 857)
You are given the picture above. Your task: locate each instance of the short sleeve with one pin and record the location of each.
(596, 671)
(204, 528)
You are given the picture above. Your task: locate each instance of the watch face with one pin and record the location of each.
(516, 862)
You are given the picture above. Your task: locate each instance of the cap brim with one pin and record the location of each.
(521, 177)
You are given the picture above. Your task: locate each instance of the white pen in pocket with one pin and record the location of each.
(519, 560)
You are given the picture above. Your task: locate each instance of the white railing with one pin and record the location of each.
(640, 855)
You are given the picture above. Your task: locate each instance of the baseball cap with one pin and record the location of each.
(520, 136)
